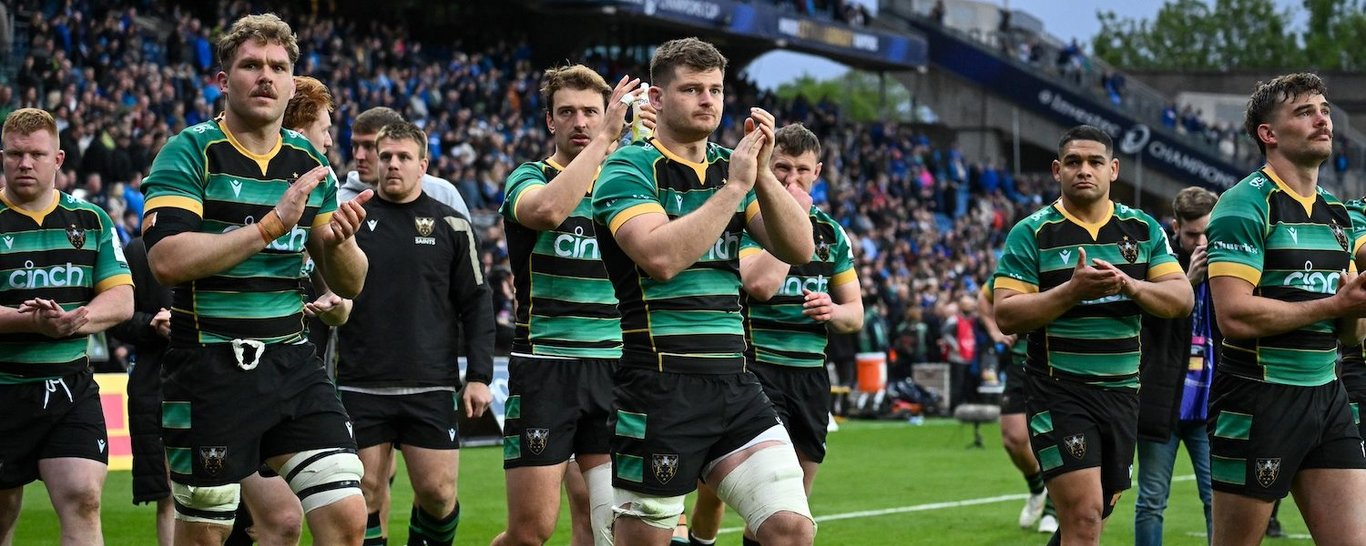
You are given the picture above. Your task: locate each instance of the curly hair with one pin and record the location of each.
(263, 29)
(311, 100)
(1268, 95)
(577, 77)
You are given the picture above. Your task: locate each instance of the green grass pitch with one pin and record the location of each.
(883, 483)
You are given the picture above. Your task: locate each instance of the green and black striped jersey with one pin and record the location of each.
(1019, 349)
(777, 331)
(1354, 357)
(697, 313)
(67, 253)
(1097, 341)
(1291, 248)
(565, 303)
(205, 171)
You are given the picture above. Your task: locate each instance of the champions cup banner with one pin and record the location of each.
(1159, 149)
(764, 20)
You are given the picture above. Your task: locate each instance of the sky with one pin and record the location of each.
(1065, 19)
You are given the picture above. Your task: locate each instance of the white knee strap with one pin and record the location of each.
(323, 476)
(768, 482)
(599, 479)
(214, 505)
(658, 512)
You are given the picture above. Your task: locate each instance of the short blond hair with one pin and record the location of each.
(263, 28)
(26, 121)
(405, 130)
(311, 101)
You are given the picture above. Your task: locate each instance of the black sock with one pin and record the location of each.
(1035, 482)
(1048, 508)
(238, 536)
(427, 530)
(374, 536)
(1056, 540)
(750, 542)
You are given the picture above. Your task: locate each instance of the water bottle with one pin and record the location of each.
(639, 131)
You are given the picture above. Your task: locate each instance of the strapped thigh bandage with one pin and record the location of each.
(768, 482)
(215, 505)
(323, 476)
(600, 497)
(658, 512)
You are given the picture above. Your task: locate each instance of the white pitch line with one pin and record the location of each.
(925, 507)
(905, 509)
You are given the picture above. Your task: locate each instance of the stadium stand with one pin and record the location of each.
(927, 219)
(121, 81)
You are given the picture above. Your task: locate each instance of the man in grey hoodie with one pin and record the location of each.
(363, 134)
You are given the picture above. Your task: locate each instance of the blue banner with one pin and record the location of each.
(1157, 148)
(767, 21)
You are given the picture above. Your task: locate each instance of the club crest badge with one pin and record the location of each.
(1267, 471)
(536, 439)
(1129, 249)
(1076, 445)
(212, 459)
(822, 248)
(1341, 236)
(424, 225)
(75, 235)
(665, 466)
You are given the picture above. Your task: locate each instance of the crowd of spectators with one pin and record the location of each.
(845, 11)
(1070, 62)
(925, 221)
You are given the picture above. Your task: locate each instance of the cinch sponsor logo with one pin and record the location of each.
(726, 248)
(293, 241)
(794, 285)
(1106, 299)
(577, 245)
(1314, 281)
(58, 275)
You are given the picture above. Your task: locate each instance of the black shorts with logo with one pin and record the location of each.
(1261, 434)
(49, 419)
(427, 420)
(1073, 426)
(556, 408)
(221, 421)
(1013, 397)
(801, 396)
(1354, 380)
(668, 425)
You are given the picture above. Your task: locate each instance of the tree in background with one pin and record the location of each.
(861, 96)
(1236, 34)
(1335, 33)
